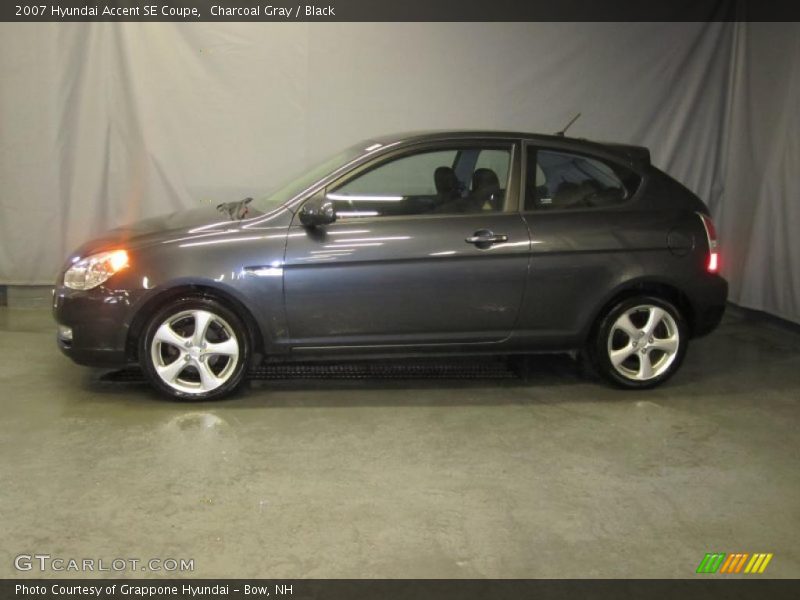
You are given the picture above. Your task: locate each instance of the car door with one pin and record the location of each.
(428, 248)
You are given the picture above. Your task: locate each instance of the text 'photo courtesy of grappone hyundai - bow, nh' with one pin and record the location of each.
(483, 243)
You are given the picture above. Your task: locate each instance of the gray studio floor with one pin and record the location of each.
(558, 476)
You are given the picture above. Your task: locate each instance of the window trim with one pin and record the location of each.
(512, 185)
(567, 148)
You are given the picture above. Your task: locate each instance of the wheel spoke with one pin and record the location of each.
(171, 371)
(202, 319)
(227, 348)
(656, 314)
(625, 324)
(668, 345)
(645, 367)
(166, 335)
(208, 380)
(619, 356)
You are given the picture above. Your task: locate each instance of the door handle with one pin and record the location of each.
(484, 237)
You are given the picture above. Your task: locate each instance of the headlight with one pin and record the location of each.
(91, 271)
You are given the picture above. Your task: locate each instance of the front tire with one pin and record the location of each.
(640, 343)
(195, 349)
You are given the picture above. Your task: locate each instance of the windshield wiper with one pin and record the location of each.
(235, 210)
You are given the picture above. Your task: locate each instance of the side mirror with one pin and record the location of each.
(318, 211)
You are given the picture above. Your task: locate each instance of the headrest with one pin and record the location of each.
(445, 180)
(485, 179)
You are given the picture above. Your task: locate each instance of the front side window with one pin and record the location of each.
(561, 180)
(462, 180)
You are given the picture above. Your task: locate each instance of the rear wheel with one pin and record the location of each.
(194, 349)
(640, 343)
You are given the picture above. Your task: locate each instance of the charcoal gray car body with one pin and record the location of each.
(377, 285)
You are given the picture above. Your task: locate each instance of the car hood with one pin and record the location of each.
(159, 229)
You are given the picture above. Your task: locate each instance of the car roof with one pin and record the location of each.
(434, 134)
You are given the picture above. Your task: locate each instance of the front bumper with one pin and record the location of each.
(99, 320)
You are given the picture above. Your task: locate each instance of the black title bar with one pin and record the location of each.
(399, 589)
(398, 10)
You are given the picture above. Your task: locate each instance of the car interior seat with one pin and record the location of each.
(486, 194)
(447, 185)
(570, 194)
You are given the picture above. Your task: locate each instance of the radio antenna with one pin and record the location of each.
(563, 131)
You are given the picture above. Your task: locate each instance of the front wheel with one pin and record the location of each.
(194, 349)
(640, 343)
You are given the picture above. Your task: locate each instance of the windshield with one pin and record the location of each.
(306, 178)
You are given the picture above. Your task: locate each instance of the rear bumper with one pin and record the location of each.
(99, 320)
(710, 306)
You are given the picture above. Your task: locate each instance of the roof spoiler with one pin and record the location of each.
(635, 154)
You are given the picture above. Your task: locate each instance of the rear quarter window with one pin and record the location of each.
(558, 180)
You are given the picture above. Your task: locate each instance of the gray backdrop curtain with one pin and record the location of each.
(103, 123)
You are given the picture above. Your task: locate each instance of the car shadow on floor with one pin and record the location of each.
(323, 384)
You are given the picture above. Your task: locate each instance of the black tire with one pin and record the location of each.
(225, 330)
(610, 336)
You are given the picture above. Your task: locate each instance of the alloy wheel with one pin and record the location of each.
(194, 351)
(643, 342)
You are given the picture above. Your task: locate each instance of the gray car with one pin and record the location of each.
(432, 243)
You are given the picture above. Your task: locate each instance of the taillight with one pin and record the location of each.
(712, 263)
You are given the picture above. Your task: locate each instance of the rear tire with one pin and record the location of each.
(195, 349)
(639, 343)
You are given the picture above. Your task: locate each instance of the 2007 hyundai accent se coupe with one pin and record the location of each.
(437, 243)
